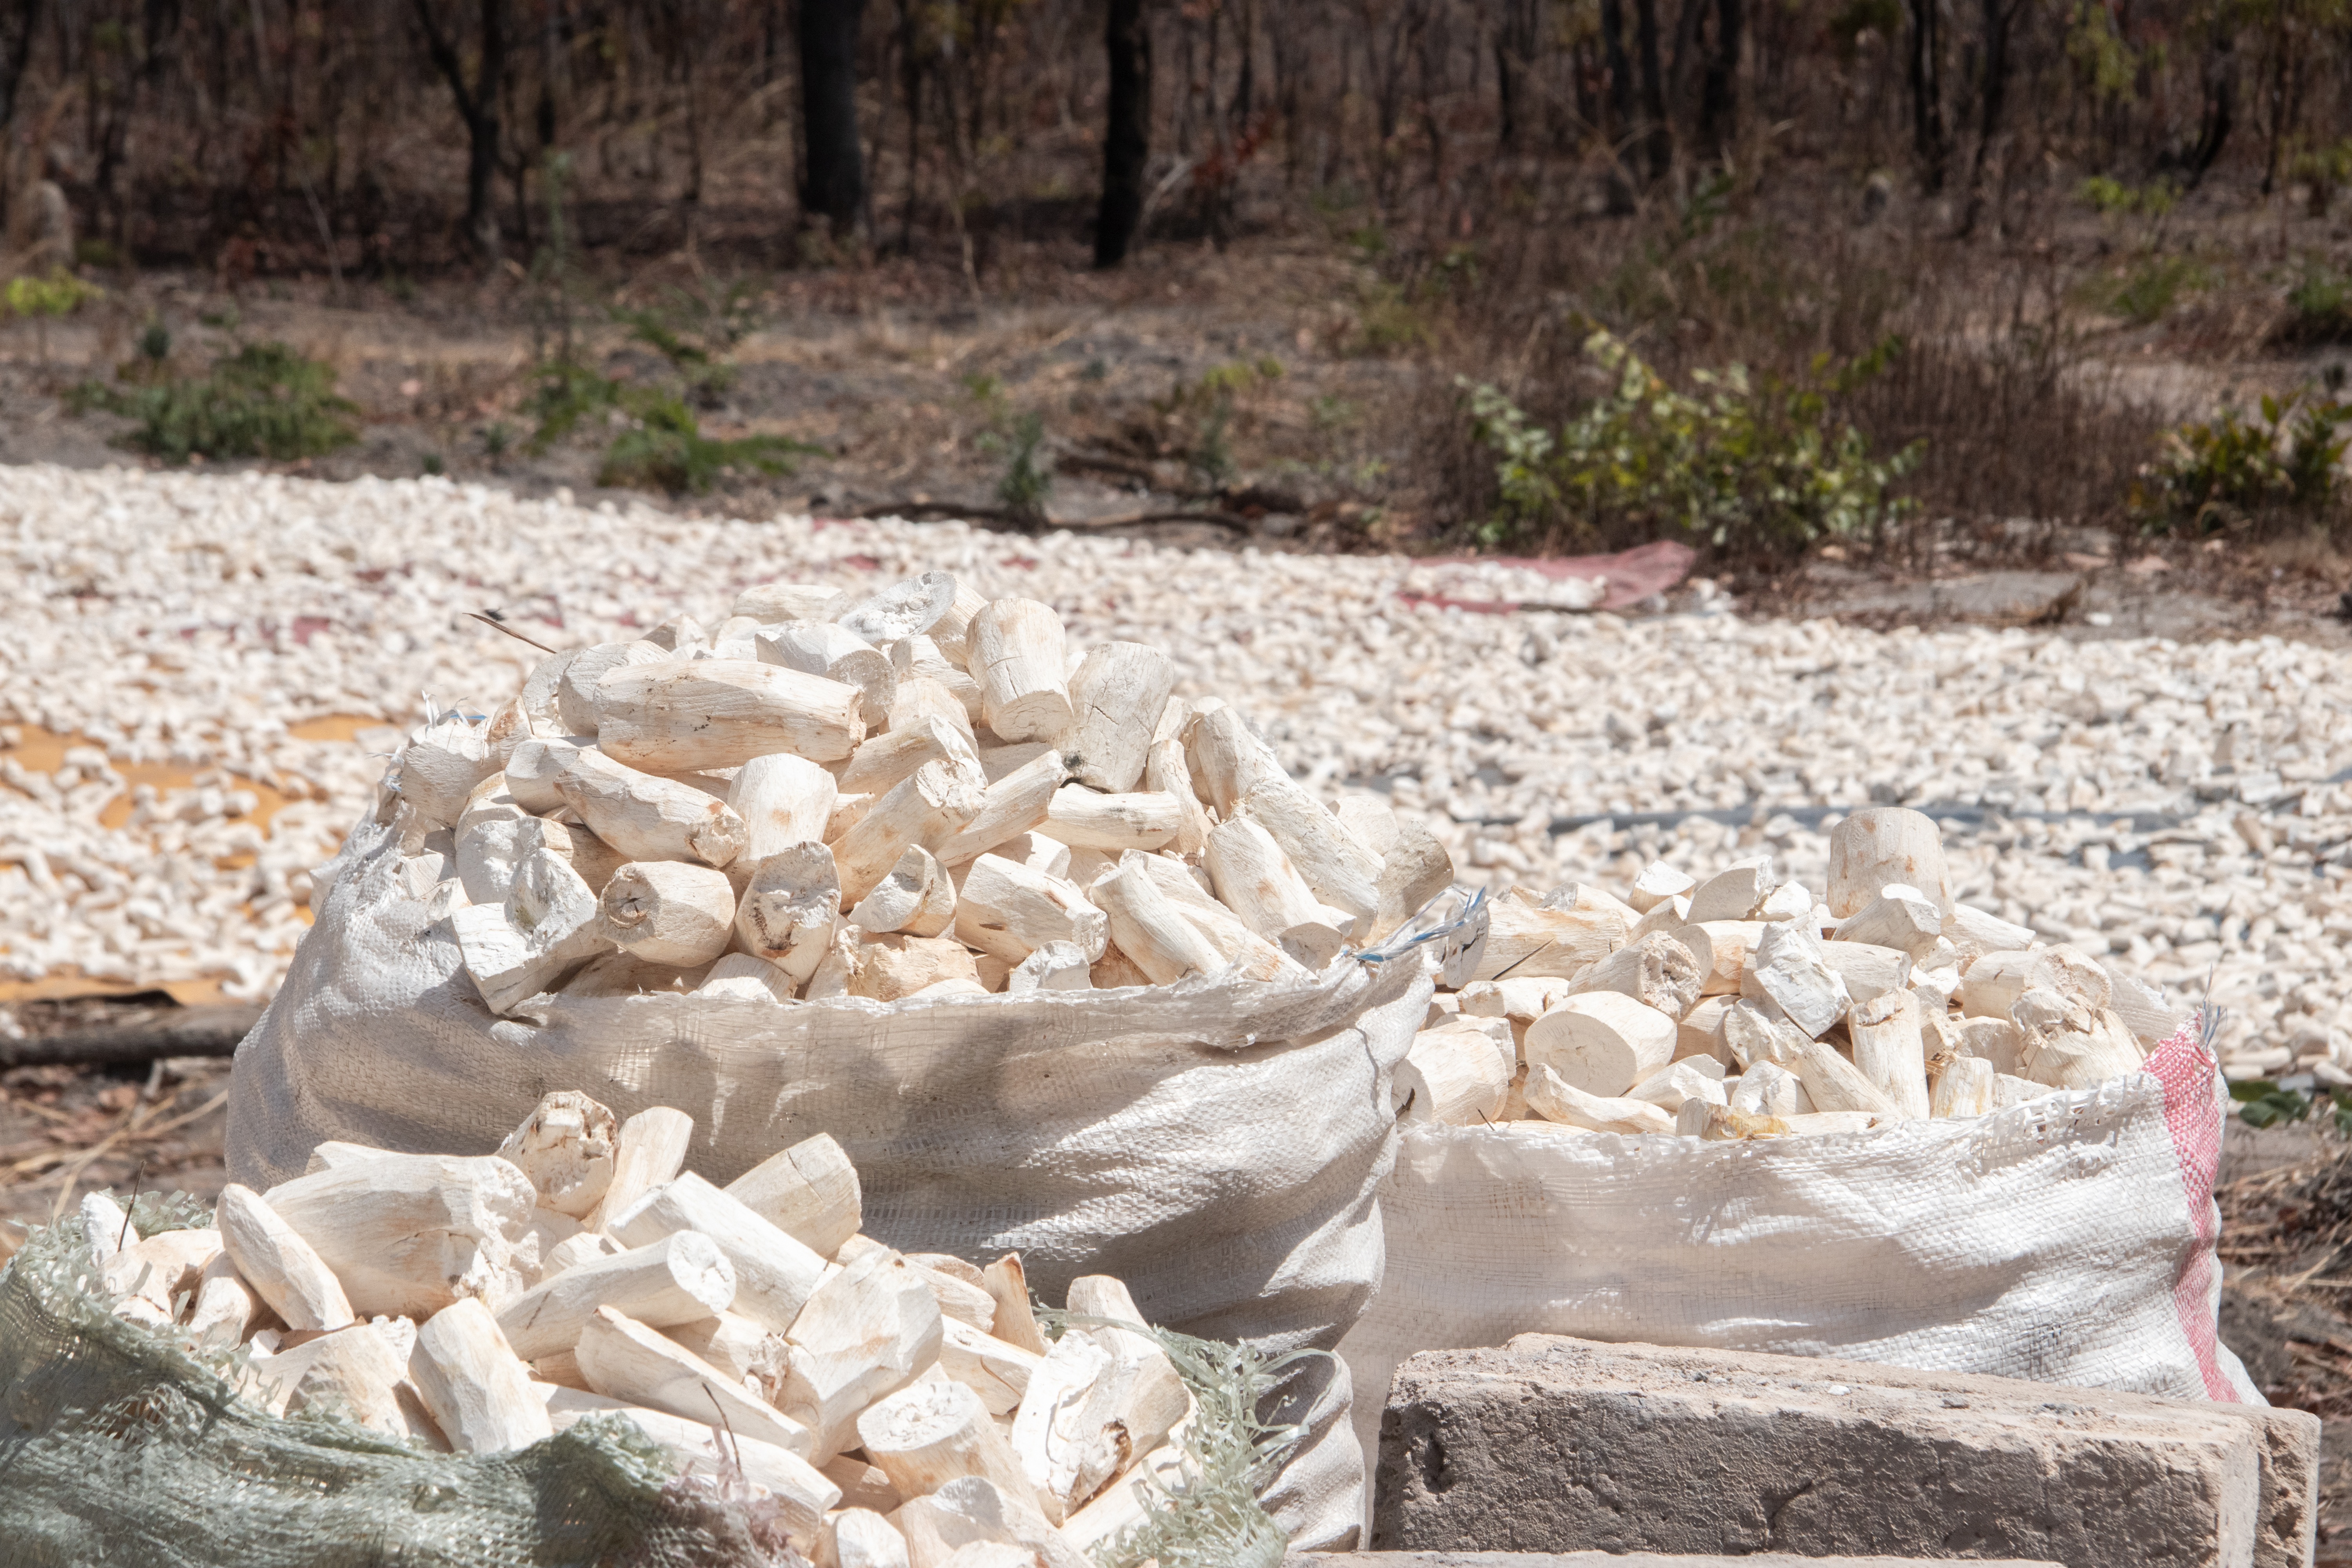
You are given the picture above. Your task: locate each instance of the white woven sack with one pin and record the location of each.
(2067, 1240)
(1216, 1144)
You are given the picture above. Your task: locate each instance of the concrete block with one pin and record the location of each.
(1608, 1560)
(1557, 1445)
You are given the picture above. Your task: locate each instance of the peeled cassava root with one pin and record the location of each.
(884, 1401)
(1743, 1007)
(911, 796)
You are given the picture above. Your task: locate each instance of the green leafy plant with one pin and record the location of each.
(263, 401)
(2230, 470)
(45, 299)
(2263, 1103)
(664, 448)
(1746, 462)
(1020, 440)
(2321, 303)
(2150, 287)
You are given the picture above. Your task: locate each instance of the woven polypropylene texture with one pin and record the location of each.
(2069, 1240)
(1216, 1144)
(117, 1446)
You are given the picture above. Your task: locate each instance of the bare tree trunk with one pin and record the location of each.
(1928, 139)
(1127, 138)
(2221, 99)
(833, 183)
(1657, 136)
(1718, 87)
(478, 106)
(2000, 16)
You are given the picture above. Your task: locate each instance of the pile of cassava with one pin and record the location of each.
(897, 1408)
(911, 795)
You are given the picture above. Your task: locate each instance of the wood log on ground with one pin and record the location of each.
(623, 1359)
(667, 911)
(928, 807)
(1009, 809)
(784, 800)
(918, 898)
(1117, 694)
(1888, 1050)
(478, 1393)
(865, 1333)
(791, 909)
(775, 1274)
(686, 715)
(1884, 844)
(809, 1191)
(406, 1235)
(649, 819)
(928, 1434)
(1601, 1042)
(1010, 911)
(672, 1279)
(1015, 652)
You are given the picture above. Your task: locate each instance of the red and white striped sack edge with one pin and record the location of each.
(2067, 1240)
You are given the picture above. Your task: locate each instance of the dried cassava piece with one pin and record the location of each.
(1015, 652)
(687, 714)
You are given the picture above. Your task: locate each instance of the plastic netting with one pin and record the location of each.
(122, 1445)
(117, 1446)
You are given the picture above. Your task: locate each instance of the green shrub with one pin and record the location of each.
(664, 448)
(2230, 470)
(2150, 289)
(2321, 301)
(263, 401)
(1750, 463)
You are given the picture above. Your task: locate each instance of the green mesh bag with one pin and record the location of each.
(119, 1447)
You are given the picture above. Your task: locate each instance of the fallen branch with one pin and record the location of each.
(183, 1032)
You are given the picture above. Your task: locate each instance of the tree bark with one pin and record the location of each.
(1928, 140)
(1719, 87)
(1126, 139)
(833, 185)
(2220, 102)
(1657, 136)
(478, 106)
